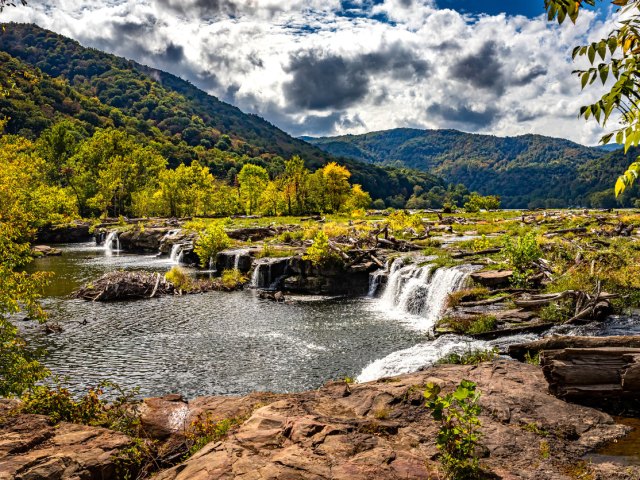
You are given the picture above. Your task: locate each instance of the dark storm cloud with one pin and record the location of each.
(200, 7)
(335, 82)
(464, 115)
(482, 69)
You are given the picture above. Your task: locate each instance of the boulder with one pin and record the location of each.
(142, 240)
(234, 259)
(493, 278)
(45, 251)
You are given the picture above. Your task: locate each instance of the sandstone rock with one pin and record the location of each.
(31, 449)
(493, 278)
(376, 430)
(70, 233)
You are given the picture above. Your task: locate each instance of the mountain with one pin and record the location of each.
(46, 77)
(526, 171)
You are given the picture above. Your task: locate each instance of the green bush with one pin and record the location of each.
(320, 252)
(211, 241)
(179, 278)
(205, 429)
(459, 432)
(58, 403)
(522, 251)
(470, 357)
(233, 279)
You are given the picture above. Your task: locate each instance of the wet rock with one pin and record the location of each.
(234, 259)
(142, 240)
(493, 278)
(45, 251)
(69, 233)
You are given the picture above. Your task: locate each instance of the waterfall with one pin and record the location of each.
(374, 282)
(419, 291)
(236, 259)
(109, 242)
(268, 272)
(177, 253)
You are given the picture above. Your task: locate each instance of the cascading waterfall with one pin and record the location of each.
(268, 272)
(238, 256)
(177, 253)
(420, 291)
(109, 242)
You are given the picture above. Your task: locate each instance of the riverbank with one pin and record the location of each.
(376, 430)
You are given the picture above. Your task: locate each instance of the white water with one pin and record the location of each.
(420, 292)
(428, 353)
(109, 243)
(177, 253)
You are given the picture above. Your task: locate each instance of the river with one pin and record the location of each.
(235, 343)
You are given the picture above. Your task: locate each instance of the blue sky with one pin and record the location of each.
(529, 8)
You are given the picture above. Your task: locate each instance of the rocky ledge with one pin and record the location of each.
(376, 430)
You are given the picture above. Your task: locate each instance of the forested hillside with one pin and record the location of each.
(46, 78)
(526, 171)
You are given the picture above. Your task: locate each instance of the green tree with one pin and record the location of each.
(253, 181)
(211, 241)
(295, 185)
(612, 58)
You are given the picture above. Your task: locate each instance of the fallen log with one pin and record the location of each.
(488, 251)
(592, 375)
(559, 342)
(566, 230)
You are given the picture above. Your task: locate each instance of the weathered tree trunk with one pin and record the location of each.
(593, 374)
(558, 342)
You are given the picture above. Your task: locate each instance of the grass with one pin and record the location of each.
(470, 357)
(232, 279)
(467, 295)
(470, 325)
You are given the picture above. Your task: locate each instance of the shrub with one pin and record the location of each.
(470, 357)
(210, 242)
(205, 429)
(470, 325)
(58, 403)
(459, 432)
(522, 251)
(179, 278)
(233, 279)
(320, 252)
(466, 295)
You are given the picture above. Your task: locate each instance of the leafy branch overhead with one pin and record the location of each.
(615, 59)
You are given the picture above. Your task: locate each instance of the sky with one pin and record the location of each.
(333, 67)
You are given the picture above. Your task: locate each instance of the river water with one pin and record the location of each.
(234, 343)
(214, 343)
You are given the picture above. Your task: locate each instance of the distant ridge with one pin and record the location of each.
(526, 171)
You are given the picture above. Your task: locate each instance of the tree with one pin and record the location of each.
(253, 181)
(295, 185)
(337, 184)
(615, 57)
(358, 199)
(11, 3)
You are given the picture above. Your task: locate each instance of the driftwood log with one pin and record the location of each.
(592, 375)
(560, 342)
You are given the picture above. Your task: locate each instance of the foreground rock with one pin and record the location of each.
(376, 430)
(382, 430)
(31, 449)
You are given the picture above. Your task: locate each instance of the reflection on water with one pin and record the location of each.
(625, 451)
(215, 343)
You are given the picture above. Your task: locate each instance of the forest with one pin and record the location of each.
(528, 171)
(46, 78)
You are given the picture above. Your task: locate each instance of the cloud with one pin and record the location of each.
(324, 67)
(333, 81)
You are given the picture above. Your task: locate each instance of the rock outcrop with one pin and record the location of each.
(68, 233)
(378, 430)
